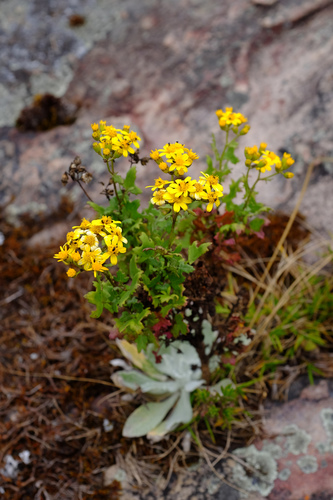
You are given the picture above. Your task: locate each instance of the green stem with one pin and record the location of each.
(172, 232)
(113, 181)
(109, 277)
(250, 190)
(224, 149)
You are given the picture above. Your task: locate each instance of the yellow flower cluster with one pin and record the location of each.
(114, 142)
(90, 244)
(181, 192)
(177, 158)
(263, 159)
(229, 119)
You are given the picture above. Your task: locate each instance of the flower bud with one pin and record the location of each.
(288, 175)
(245, 130)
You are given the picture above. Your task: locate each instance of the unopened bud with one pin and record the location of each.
(245, 130)
(288, 175)
(248, 163)
(262, 164)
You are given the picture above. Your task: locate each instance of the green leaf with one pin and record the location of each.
(182, 413)
(118, 178)
(147, 417)
(179, 326)
(210, 167)
(132, 323)
(105, 296)
(256, 224)
(229, 155)
(98, 208)
(194, 251)
(142, 342)
(130, 178)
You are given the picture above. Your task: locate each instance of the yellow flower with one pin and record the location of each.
(158, 197)
(84, 224)
(75, 256)
(178, 202)
(199, 193)
(106, 151)
(164, 166)
(97, 267)
(228, 118)
(159, 183)
(71, 273)
(212, 181)
(89, 241)
(121, 146)
(94, 126)
(213, 197)
(170, 149)
(272, 160)
(114, 247)
(191, 154)
(88, 257)
(134, 138)
(181, 187)
(155, 155)
(180, 162)
(63, 255)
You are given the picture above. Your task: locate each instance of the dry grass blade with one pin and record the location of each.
(284, 236)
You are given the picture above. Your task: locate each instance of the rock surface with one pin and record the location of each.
(165, 67)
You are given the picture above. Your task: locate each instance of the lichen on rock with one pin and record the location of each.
(262, 480)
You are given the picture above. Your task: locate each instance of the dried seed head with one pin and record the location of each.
(87, 177)
(64, 178)
(144, 160)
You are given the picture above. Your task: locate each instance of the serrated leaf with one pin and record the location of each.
(256, 224)
(118, 178)
(210, 166)
(194, 251)
(130, 178)
(147, 416)
(229, 155)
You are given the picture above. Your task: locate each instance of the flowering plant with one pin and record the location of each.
(141, 259)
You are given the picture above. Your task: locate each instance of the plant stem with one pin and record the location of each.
(85, 192)
(172, 233)
(109, 277)
(113, 181)
(248, 189)
(224, 149)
